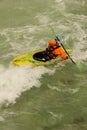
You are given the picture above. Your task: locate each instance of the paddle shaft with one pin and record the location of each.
(67, 53)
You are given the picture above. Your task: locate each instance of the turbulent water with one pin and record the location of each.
(50, 97)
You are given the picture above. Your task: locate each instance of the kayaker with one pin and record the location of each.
(54, 49)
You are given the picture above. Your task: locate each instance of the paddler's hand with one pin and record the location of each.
(59, 42)
(68, 57)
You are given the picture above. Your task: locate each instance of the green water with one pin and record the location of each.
(50, 97)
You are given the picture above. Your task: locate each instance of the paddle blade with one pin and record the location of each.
(80, 67)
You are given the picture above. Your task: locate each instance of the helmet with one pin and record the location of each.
(52, 43)
(59, 38)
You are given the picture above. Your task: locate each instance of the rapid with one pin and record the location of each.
(45, 97)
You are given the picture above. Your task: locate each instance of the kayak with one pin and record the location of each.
(35, 58)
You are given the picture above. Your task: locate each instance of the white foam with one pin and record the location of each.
(43, 19)
(58, 1)
(79, 52)
(60, 5)
(15, 80)
(1, 119)
(69, 90)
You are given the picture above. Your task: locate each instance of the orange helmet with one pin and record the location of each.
(52, 43)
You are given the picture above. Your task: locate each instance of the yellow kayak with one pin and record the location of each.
(35, 58)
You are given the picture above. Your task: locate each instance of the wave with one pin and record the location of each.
(16, 80)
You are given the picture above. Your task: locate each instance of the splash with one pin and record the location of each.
(15, 80)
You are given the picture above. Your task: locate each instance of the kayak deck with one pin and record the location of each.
(27, 59)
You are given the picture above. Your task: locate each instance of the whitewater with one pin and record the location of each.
(45, 97)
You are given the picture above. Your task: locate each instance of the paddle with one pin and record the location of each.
(79, 66)
(62, 45)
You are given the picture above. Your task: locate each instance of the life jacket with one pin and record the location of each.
(53, 45)
(59, 51)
